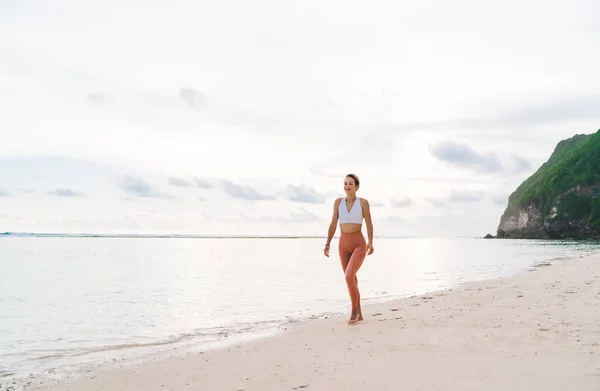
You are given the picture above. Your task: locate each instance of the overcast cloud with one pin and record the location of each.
(181, 182)
(244, 192)
(139, 187)
(65, 193)
(402, 203)
(461, 155)
(304, 194)
(260, 109)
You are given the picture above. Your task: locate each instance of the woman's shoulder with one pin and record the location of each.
(364, 202)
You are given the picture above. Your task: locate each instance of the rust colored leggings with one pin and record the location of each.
(353, 250)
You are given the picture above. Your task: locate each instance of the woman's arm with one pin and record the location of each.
(334, 221)
(369, 222)
(332, 226)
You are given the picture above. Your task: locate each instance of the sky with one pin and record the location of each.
(223, 117)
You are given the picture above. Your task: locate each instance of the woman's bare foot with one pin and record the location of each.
(355, 317)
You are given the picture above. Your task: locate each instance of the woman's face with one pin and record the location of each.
(349, 185)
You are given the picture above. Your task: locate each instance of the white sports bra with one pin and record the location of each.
(354, 216)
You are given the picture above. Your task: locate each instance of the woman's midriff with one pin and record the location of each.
(349, 228)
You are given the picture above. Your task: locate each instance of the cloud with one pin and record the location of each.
(318, 170)
(303, 216)
(4, 193)
(552, 111)
(203, 184)
(456, 197)
(500, 199)
(403, 203)
(244, 192)
(101, 100)
(514, 117)
(24, 191)
(64, 192)
(465, 196)
(194, 182)
(521, 164)
(180, 182)
(435, 202)
(396, 219)
(463, 156)
(193, 98)
(368, 148)
(372, 147)
(453, 180)
(451, 223)
(137, 186)
(304, 194)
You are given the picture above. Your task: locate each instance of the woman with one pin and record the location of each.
(350, 212)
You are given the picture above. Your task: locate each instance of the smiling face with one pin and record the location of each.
(350, 185)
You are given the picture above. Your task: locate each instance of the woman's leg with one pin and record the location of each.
(345, 249)
(352, 267)
(360, 317)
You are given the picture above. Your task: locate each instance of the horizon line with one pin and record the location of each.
(197, 236)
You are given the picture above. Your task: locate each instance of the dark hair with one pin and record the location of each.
(356, 181)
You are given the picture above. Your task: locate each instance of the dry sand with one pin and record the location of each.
(539, 330)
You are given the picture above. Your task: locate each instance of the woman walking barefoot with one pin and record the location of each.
(350, 212)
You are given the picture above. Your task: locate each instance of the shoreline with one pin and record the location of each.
(403, 341)
(64, 373)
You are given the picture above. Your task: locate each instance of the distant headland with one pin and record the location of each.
(561, 200)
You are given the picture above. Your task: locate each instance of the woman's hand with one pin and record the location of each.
(326, 250)
(370, 248)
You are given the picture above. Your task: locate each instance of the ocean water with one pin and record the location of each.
(65, 301)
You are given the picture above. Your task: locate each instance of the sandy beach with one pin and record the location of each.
(539, 330)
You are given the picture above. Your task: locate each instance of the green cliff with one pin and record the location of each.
(562, 198)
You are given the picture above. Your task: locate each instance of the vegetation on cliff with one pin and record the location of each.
(567, 186)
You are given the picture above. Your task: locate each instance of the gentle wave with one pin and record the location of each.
(217, 333)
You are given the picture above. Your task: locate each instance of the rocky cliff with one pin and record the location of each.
(562, 198)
